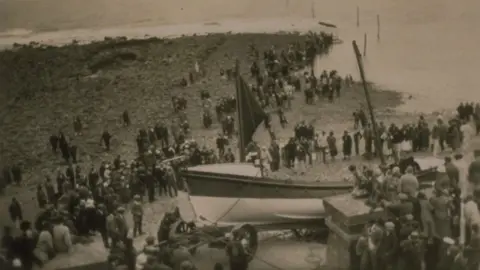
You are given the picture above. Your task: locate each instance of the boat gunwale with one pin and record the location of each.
(282, 183)
(267, 181)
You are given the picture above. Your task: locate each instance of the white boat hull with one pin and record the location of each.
(234, 211)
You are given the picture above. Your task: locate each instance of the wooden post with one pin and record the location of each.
(365, 44)
(313, 9)
(369, 103)
(358, 16)
(378, 27)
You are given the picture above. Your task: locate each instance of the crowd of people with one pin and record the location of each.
(422, 229)
(79, 202)
(309, 144)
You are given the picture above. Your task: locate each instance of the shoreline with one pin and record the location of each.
(232, 26)
(172, 31)
(268, 26)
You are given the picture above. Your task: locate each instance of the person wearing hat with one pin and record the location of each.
(145, 176)
(265, 160)
(441, 204)
(171, 182)
(409, 183)
(187, 265)
(448, 253)
(426, 217)
(473, 246)
(371, 257)
(435, 135)
(62, 238)
(159, 174)
(100, 223)
(113, 229)
(137, 213)
(44, 249)
(237, 255)
(347, 145)
(467, 132)
(389, 246)
(442, 184)
(402, 207)
(470, 211)
(474, 171)
(454, 136)
(221, 142)
(180, 255)
(453, 172)
(411, 252)
(17, 264)
(390, 186)
(122, 223)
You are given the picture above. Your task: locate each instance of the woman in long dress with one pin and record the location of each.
(332, 145)
(387, 144)
(455, 135)
(347, 145)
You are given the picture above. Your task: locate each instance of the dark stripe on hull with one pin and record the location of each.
(213, 185)
(249, 189)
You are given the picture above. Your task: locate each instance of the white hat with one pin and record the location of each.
(389, 225)
(17, 262)
(448, 240)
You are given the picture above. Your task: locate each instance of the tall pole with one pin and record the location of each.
(358, 16)
(365, 45)
(241, 141)
(369, 103)
(378, 27)
(313, 9)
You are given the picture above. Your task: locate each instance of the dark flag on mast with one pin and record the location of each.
(250, 114)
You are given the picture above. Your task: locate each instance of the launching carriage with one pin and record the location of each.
(243, 200)
(175, 232)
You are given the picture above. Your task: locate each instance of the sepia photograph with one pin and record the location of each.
(239, 134)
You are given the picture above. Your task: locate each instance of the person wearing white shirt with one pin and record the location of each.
(265, 160)
(44, 249)
(322, 146)
(62, 239)
(467, 134)
(289, 89)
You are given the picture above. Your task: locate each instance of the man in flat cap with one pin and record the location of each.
(441, 204)
(137, 213)
(389, 246)
(121, 223)
(112, 229)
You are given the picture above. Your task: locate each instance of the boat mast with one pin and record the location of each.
(239, 99)
(369, 103)
(241, 141)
